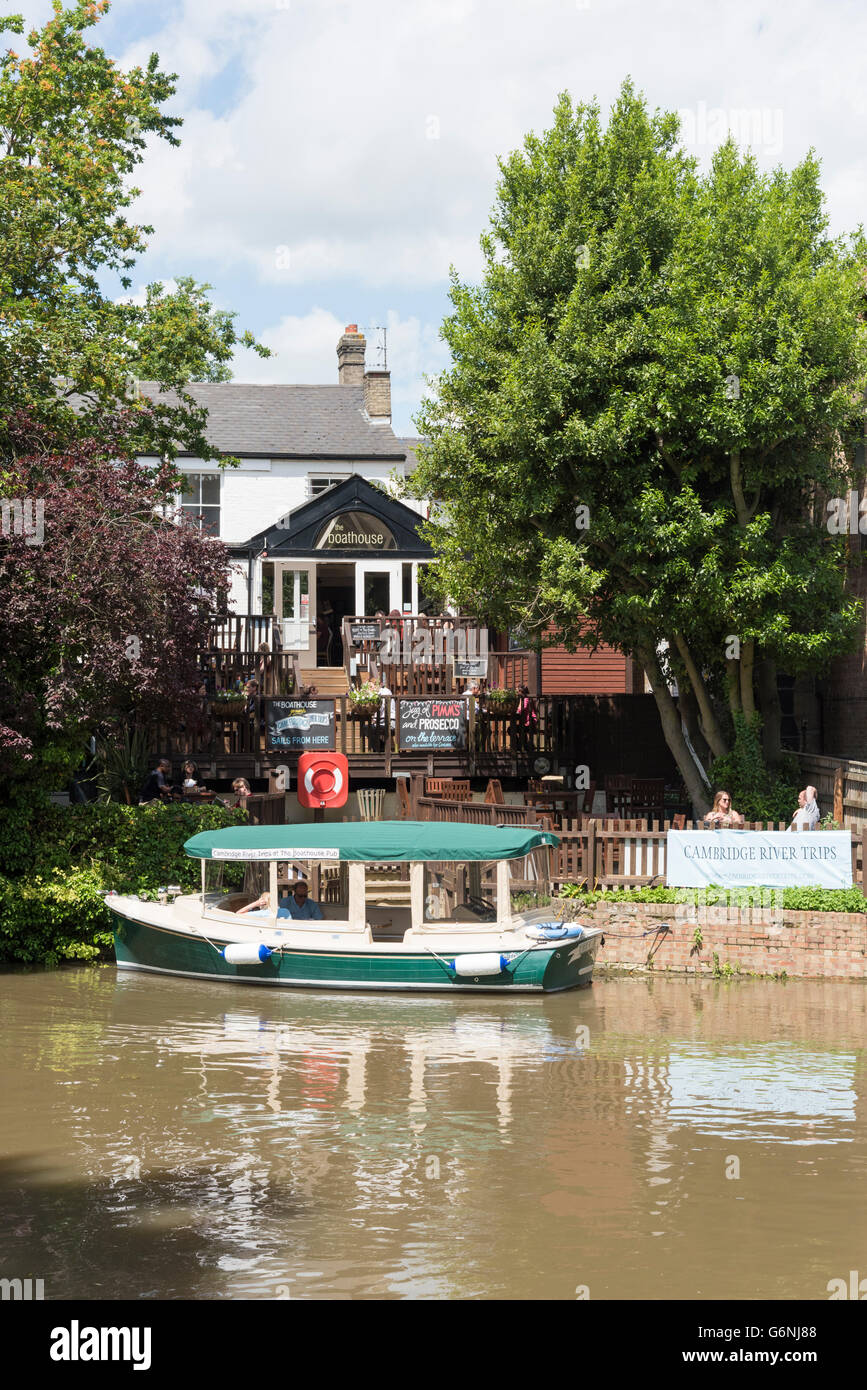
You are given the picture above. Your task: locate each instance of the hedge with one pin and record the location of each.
(795, 899)
(58, 860)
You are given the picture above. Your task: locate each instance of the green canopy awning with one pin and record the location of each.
(378, 841)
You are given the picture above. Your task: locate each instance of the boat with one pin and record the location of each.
(405, 905)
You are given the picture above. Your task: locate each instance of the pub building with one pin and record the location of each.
(322, 551)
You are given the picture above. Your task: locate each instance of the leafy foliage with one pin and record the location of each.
(757, 792)
(107, 615)
(73, 127)
(658, 376)
(60, 859)
(795, 899)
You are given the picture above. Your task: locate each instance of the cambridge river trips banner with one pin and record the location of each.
(760, 858)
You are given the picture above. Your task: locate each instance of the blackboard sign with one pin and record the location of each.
(363, 632)
(440, 723)
(300, 724)
(476, 666)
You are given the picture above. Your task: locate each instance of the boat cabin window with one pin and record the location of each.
(530, 884)
(326, 882)
(461, 893)
(327, 885)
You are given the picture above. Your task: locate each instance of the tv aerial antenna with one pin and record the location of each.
(380, 346)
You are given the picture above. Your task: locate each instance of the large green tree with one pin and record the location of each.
(73, 127)
(656, 383)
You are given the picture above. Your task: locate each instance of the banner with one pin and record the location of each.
(759, 858)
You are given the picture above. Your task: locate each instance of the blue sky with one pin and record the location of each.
(338, 157)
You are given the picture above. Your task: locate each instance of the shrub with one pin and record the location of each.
(795, 899)
(60, 859)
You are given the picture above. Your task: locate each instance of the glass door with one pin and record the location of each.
(295, 604)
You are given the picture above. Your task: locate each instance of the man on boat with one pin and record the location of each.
(299, 904)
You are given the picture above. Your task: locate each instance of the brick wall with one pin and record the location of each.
(817, 945)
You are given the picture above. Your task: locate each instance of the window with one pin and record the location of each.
(321, 482)
(200, 501)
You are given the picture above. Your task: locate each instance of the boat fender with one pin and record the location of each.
(553, 931)
(245, 953)
(488, 964)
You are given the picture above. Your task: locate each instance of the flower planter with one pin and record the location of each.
(363, 713)
(228, 709)
(506, 710)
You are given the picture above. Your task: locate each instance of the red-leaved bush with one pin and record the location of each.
(105, 616)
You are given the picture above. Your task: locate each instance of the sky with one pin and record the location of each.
(338, 157)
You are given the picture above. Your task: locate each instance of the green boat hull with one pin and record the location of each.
(564, 965)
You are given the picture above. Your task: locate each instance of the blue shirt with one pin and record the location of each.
(290, 908)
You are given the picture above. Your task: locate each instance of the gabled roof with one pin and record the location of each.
(297, 532)
(264, 421)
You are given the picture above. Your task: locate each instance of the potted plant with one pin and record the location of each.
(363, 702)
(228, 704)
(500, 704)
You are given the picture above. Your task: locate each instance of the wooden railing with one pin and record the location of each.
(841, 787)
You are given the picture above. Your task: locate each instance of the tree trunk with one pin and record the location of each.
(709, 724)
(772, 714)
(733, 684)
(688, 706)
(748, 656)
(696, 788)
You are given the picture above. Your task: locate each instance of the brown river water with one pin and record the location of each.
(647, 1138)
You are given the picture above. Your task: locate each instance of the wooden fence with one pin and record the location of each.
(841, 787)
(603, 853)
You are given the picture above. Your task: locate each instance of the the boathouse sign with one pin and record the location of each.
(356, 531)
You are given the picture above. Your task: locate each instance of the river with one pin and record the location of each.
(662, 1138)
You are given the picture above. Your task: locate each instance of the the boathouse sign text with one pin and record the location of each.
(356, 531)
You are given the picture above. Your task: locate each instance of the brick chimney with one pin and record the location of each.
(377, 396)
(350, 357)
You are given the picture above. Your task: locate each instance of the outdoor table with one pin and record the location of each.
(562, 803)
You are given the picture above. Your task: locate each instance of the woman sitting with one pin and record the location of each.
(723, 814)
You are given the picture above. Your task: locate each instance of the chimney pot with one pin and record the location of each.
(350, 357)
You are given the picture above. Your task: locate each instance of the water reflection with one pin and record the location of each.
(164, 1139)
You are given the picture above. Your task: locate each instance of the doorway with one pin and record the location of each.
(335, 600)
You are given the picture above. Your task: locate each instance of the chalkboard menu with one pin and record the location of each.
(363, 632)
(438, 723)
(300, 724)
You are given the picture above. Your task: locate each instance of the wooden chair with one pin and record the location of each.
(618, 793)
(678, 822)
(404, 798)
(589, 797)
(494, 792)
(648, 797)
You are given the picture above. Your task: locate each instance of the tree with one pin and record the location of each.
(107, 598)
(72, 129)
(657, 378)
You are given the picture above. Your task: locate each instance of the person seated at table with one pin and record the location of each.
(723, 813)
(189, 776)
(807, 816)
(156, 786)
